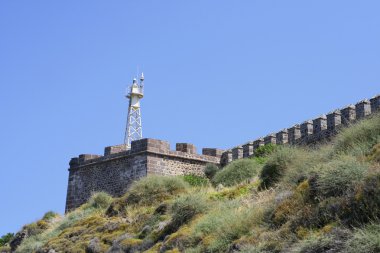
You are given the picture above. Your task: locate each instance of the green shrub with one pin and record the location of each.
(304, 165)
(366, 239)
(153, 189)
(48, 216)
(5, 239)
(367, 197)
(236, 172)
(182, 210)
(339, 175)
(296, 208)
(36, 241)
(228, 222)
(148, 191)
(359, 138)
(210, 170)
(265, 150)
(363, 204)
(261, 154)
(186, 207)
(375, 154)
(71, 218)
(355, 208)
(234, 192)
(333, 241)
(259, 159)
(195, 180)
(99, 200)
(30, 244)
(276, 165)
(34, 228)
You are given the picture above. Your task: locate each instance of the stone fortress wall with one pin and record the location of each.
(309, 132)
(118, 168)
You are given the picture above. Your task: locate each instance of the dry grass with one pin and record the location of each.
(325, 199)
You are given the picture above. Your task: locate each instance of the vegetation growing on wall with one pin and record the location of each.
(236, 172)
(195, 180)
(5, 239)
(210, 170)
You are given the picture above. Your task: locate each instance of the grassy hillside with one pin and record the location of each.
(286, 199)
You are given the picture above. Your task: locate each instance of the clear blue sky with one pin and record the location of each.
(218, 73)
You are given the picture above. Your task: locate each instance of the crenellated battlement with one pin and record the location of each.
(321, 128)
(153, 146)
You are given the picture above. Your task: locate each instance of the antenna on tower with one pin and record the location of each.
(142, 80)
(133, 129)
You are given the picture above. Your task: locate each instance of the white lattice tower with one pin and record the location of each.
(133, 130)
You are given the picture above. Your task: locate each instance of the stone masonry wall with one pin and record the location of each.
(118, 168)
(112, 176)
(322, 128)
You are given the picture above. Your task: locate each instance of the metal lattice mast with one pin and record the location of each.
(133, 130)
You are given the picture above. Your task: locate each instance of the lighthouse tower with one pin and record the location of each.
(133, 130)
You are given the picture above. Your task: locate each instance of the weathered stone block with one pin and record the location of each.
(226, 158)
(294, 134)
(282, 137)
(248, 149)
(334, 119)
(212, 152)
(237, 153)
(74, 162)
(114, 149)
(363, 109)
(270, 139)
(348, 114)
(306, 128)
(186, 148)
(86, 157)
(152, 145)
(258, 143)
(319, 124)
